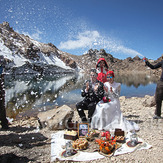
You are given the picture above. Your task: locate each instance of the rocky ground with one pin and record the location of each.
(25, 142)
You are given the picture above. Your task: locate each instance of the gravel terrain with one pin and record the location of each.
(25, 142)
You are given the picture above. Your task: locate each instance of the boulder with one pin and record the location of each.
(55, 119)
(149, 101)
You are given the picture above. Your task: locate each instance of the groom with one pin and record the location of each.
(92, 92)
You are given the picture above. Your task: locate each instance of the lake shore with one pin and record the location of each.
(26, 142)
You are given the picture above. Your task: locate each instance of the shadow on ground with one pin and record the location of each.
(23, 141)
(12, 158)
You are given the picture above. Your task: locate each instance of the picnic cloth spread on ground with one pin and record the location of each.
(58, 141)
(126, 149)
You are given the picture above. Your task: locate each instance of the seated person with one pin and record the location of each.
(107, 115)
(92, 92)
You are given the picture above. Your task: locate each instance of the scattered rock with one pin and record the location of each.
(149, 101)
(56, 118)
(33, 145)
(122, 98)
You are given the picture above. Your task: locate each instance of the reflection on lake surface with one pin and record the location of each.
(30, 93)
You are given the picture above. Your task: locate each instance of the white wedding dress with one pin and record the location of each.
(108, 116)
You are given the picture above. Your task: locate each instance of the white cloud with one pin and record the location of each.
(35, 36)
(83, 40)
(115, 47)
(126, 50)
(93, 39)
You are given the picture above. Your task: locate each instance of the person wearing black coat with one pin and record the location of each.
(92, 92)
(3, 119)
(159, 89)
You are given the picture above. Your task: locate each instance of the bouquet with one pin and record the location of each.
(106, 99)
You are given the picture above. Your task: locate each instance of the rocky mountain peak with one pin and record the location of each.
(6, 26)
(136, 58)
(31, 50)
(36, 54)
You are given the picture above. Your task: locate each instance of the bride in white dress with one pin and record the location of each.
(107, 115)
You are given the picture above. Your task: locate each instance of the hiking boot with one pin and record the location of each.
(84, 120)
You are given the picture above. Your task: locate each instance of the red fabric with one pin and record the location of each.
(102, 59)
(111, 73)
(101, 77)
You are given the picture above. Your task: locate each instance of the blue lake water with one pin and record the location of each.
(141, 91)
(33, 94)
(74, 96)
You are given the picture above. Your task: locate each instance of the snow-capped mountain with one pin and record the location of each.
(25, 55)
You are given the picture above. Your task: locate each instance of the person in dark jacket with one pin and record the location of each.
(159, 88)
(3, 119)
(92, 92)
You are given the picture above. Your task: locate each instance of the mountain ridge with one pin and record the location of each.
(38, 57)
(18, 47)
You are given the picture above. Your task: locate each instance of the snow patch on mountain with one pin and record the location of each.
(18, 60)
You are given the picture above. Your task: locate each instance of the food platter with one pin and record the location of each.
(120, 139)
(80, 144)
(130, 144)
(101, 141)
(116, 146)
(64, 154)
(70, 135)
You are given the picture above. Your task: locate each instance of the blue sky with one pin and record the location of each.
(124, 28)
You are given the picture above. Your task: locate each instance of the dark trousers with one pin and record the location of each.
(159, 97)
(3, 119)
(86, 105)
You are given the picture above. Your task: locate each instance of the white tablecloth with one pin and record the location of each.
(57, 143)
(126, 149)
